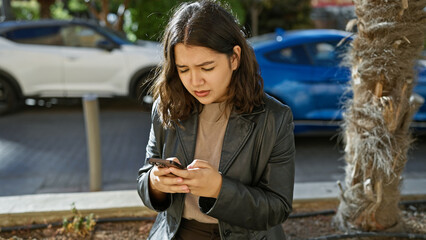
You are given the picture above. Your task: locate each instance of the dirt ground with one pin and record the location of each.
(296, 227)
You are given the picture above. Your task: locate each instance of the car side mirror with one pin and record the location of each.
(106, 45)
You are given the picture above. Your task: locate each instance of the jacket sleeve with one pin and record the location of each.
(152, 150)
(269, 202)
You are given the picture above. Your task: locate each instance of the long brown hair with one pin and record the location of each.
(206, 24)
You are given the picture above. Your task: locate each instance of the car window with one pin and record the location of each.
(327, 54)
(291, 55)
(118, 37)
(80, 36)
(46, 35)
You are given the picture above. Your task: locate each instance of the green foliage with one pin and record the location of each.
(58, 12)
(77, 225)
(129, 26)
(148, 18)
(237, 9)
(26, 10)
(30, 10)
(77, 6)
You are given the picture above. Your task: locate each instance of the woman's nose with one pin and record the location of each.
(196, 79)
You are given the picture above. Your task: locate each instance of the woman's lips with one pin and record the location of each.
(201, 93)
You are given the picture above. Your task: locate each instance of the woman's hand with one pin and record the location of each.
(161, 181)
(201, 178)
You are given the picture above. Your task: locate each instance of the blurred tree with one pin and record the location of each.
(7, 13)
(45, 8)
(59, 10)
(26, 10)
(78, 9)
(377, 120)
(254, 8)
(33, 9)
(149, 17)
(102, 10)
(141, 19)
(266, 15)
(286, 14)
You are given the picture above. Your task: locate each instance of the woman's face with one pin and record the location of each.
(206, 74)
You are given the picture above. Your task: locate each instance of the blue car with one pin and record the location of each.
(303, 69)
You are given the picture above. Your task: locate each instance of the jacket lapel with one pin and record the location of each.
(240, 128)
(237, 133)
(187, 135)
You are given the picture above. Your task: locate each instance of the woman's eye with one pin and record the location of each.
(183, 70)
(208, 69)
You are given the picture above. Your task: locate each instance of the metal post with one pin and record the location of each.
(91, 116)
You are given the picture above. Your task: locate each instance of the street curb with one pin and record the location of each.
(42, 208)
(411, 189)
(45, 208)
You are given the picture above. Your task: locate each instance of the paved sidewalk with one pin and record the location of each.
(40, 208)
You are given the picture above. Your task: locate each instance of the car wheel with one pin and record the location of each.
(8, 97)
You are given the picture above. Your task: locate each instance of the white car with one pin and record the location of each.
(52, 58)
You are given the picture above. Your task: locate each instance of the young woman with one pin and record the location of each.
(212, 116)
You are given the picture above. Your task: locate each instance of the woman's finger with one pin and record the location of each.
(189, 182)
(181, 173)
(160, 171)
(171, 180)
(174, 159)
(198, 163)
(174, 188)
(179, 189)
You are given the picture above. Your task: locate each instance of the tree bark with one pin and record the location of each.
(102, 15)
(45, 8)
(377, 119)
(255, 10)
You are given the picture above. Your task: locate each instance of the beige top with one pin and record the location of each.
(211, 131)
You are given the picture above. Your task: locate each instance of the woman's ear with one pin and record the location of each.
(235, 58)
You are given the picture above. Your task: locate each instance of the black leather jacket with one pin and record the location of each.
(257, 166)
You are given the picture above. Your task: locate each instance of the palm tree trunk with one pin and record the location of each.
(376, 127)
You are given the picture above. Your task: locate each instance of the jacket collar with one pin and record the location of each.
(256, 110)
(238, 131)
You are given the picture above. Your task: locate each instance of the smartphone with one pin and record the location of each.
(164, 163)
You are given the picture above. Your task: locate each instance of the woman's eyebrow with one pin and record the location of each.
(198, 65)
(204, 63)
